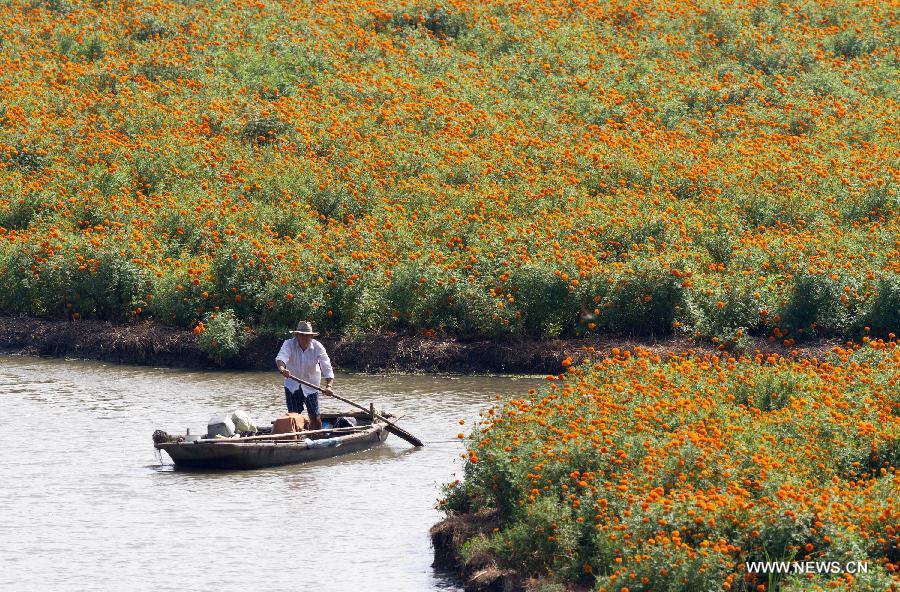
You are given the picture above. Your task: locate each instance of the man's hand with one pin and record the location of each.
(326, 390)
(284, 371)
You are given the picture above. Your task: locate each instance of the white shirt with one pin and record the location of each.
(310, 365)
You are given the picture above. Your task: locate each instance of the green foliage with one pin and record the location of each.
(877, 201)
(111, 289)
(814, 307)
(222, 337)
(16, 281)
(183, 233)
(263, 130)
(332, 203)
(351, 307)
(547, 303)
(720, 246)
(150, 28)
(59, 6)
(287, 303)
(643, 302)
(422, 296)
(458, 496)
(176, 299)
(156, 72)
(543, 538)
(21, 213)
(851, 45)
(684, 571)
(29, 158)
(286, 222)
(619, 241)
(150, 174)
(728, 319)
(768, 393)
(91, 282)
(240, 278)
(92, 50)
(436, 20)
(882, 314)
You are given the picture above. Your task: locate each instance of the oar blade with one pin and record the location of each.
(401, 433)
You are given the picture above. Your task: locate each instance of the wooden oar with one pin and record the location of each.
(391, 427)
(280, 436)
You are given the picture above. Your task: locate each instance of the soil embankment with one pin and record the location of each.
(479, 572)
(148, 343)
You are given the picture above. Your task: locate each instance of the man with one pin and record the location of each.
(305, 358)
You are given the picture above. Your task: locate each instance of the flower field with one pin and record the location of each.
(636, 473)
(492, 169)
(504, 170)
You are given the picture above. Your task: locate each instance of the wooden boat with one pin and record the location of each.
(260, 451)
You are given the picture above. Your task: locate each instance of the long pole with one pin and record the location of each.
(280, 436)
(391, 427)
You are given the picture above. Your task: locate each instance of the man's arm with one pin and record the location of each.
(282, 358)
(327, 370)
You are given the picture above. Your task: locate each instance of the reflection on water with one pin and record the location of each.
(86, 505)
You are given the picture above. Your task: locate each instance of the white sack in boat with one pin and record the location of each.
(242, 421)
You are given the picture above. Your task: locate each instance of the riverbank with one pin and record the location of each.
(635, 470)
(480, 574)
(148, 343)
(480, 571)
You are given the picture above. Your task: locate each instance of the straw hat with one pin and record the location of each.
(304, 328)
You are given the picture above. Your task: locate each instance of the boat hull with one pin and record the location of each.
(261, 454)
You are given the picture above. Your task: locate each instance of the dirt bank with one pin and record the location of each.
(148, 343)
(479, 572)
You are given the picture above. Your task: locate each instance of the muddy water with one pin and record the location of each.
(85, 503)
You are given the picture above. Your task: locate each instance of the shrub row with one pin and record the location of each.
(535, 301)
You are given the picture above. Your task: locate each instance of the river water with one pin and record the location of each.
(85, 503)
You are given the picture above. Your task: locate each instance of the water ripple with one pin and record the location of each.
(88, 505)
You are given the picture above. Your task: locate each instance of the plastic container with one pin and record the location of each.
(220, 424)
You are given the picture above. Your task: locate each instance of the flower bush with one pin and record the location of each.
(221, 336)
(638, 473)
